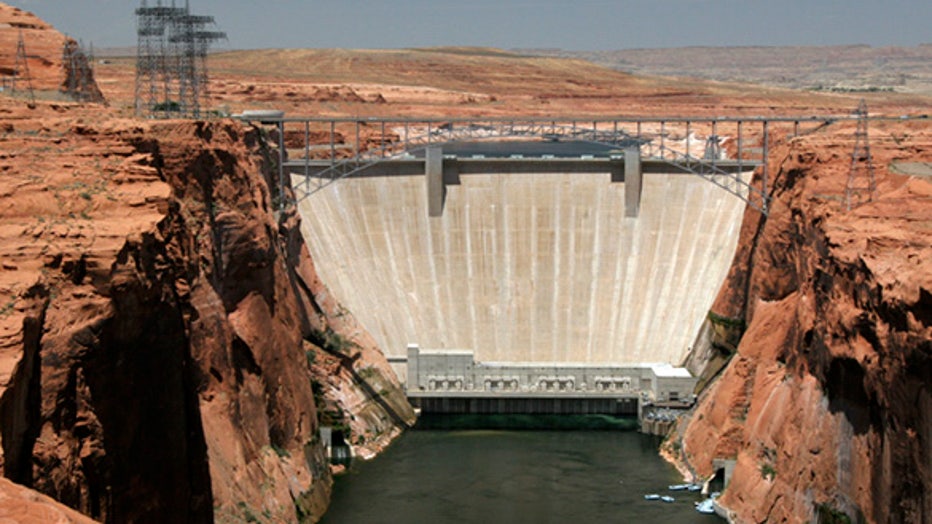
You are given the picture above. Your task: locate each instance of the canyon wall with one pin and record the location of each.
(166, 346)
(826, 404)
(160, 343)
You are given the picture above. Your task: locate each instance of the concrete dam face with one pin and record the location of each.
(527, 267)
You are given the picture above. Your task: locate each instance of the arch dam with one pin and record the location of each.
(586, 259)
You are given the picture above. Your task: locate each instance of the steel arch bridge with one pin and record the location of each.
(694, 145)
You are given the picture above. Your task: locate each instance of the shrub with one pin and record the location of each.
(767, 471)
(829, 515)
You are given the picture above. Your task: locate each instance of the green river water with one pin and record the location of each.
(505, 476)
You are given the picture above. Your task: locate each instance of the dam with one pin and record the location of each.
(527, 267)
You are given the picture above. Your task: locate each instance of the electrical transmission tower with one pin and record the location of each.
(21, 69)
(79, 75)
(861, 183)
(171, 60)
(713, 148)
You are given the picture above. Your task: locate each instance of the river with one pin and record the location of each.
(490, 477)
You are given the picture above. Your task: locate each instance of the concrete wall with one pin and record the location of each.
(525, 267)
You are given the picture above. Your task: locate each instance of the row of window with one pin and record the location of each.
(459, 383)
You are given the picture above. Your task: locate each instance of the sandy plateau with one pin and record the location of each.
(144, 268)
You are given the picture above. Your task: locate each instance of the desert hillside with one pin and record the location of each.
(479, 82)
(165, 343)
(849, 68)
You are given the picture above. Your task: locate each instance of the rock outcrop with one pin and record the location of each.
(54, 62)
(24, 506)
(160, 319)
(826, 406)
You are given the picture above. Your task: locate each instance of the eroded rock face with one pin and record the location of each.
(25, 506)
(353, 381)
(162, 314)
(825, 406)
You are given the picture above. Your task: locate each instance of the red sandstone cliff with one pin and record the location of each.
(24, 506)
(162, 326)
(159, 318)
(827, 403)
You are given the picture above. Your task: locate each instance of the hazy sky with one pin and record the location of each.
(567, 24)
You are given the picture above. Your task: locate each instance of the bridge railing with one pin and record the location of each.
(733, 182)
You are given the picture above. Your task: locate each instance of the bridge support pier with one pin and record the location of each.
(436, 189)
(632, 179)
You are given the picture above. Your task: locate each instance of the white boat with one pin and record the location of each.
(706, 506)
(694, 487)
(652, 496)
(667, 498)
(677, 487)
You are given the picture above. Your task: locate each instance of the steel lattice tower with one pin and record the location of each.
(171, 61)
(145, 66)
(78, 69)
(21, 68)
(861, 183)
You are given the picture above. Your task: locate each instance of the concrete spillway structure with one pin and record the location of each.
(527, 267)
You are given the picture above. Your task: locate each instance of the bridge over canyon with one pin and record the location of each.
(558, 242)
